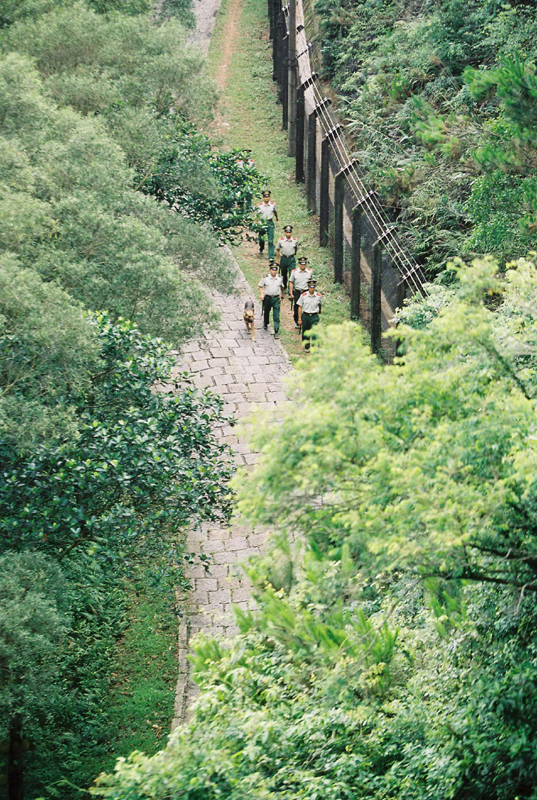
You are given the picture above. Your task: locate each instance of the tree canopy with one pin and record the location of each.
(392, 649)
(107, 454)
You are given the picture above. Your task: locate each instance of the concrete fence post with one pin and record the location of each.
(280, 66)
(276, 11)
(356, 249)
(376, 298)
(292, 68)
(324, 198)
(285, 81)
(299, 148)
(311, 174)
(339, 200)
(270, 8)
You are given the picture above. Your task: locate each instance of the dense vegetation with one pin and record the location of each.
(440, 100)
(106, 454)
(393, 652)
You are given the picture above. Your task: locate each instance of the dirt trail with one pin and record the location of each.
(230, 35)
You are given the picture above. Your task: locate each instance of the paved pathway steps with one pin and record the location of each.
(248, 375)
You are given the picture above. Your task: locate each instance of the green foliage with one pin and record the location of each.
(357, 676)
(116, 665)
(12, 11)
(228, 207)
(48, 352)
(105, 505)
(143, 460)
(516, 86)
(93, 61)
(33, 628)
(141, 79)
(280, 718)
(437, 96)
(106, 453)
(451, 420)
(70, 213)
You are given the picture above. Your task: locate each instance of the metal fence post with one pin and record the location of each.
(299, 148)
(311, 183)
(339, 199)
(376, 304)
(356, 247)
(324, 201)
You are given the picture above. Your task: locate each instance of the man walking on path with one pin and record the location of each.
(309, 311)
(298, 284)
(285, 253)
(271, 293)
(267, 212)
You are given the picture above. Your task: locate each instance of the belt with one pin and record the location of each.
(310, 313)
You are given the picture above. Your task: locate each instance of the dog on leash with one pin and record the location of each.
(248, 317)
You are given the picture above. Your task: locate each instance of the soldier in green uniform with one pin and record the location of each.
(286, 248)
(309, 311)
(298, 284)
(267, 212)
(271, 294)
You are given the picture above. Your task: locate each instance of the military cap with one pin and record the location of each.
(266, 193)
(303, 260)
(312, 282)
(288, 229)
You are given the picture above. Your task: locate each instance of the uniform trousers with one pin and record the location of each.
(274, 304)
(308, 321)
(296, 297)
(268, 230)
(287, 265)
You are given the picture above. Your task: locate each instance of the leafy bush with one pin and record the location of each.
(71, 214)
(142, 461)
(141, 465)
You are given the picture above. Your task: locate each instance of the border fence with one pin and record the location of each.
(368, 256)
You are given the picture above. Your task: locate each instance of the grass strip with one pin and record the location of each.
(141, 699)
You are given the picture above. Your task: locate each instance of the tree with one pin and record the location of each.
(70, 214)
(142, 461)
(49, 351)
(150, 106)
(33, 626)
(137, 464)
(450, 420)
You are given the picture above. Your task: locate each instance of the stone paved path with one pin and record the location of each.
(248, 375)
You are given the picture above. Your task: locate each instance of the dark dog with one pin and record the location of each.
(248, 316)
